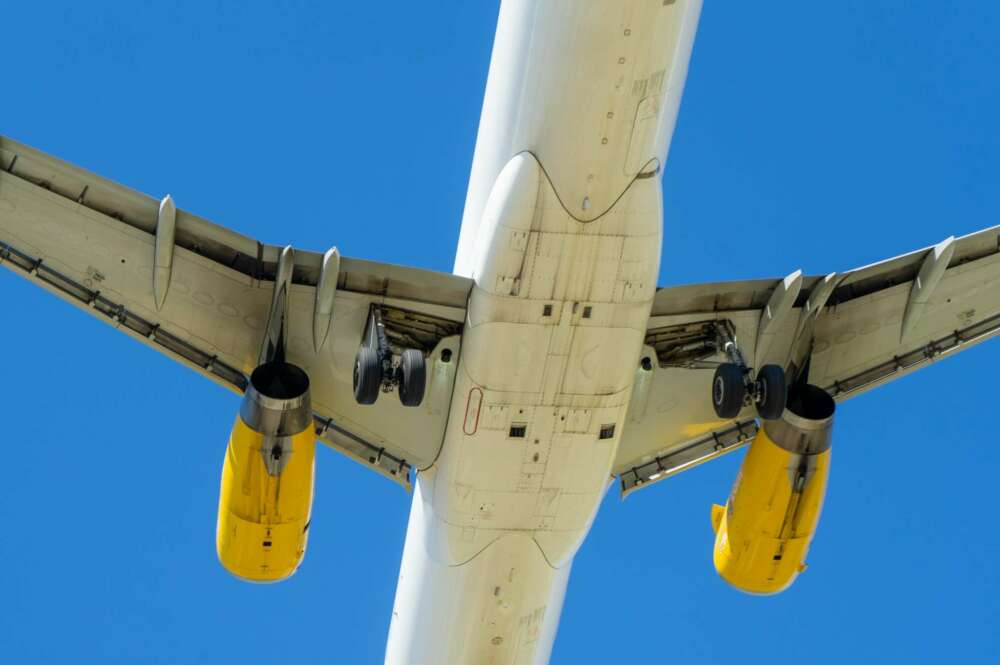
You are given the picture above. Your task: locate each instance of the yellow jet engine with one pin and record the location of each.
(266, 494)
(763, 532)
(267, 478)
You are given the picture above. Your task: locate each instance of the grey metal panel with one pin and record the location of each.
(91, 242)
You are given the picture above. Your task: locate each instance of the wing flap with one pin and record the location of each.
(687, 455)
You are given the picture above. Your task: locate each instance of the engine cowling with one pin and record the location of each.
(764, 531)
(266, 493)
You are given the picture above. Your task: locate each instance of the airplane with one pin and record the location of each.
(532, 370)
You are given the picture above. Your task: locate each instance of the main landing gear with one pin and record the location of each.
(377, 370)
(734, 385)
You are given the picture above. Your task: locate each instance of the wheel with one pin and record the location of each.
(772, 393)
(367, 375)
(413, 377)
(728, 390)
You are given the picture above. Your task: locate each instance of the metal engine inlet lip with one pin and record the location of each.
(809, 407)
(277, 401)
(806, 426)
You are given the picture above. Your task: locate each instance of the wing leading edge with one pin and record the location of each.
(95, 244)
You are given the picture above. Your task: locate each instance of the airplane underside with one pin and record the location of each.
(510, 395)
(563, 242)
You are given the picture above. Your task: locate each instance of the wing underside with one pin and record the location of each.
(94, 243)
(847, 333)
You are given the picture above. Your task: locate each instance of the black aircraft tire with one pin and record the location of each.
(367, 375)
(772, 392)
(728, 390)
(413, 379)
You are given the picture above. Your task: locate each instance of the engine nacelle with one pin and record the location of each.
(763, 532)
(267, 477)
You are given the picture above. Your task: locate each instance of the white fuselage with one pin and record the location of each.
(561, 235)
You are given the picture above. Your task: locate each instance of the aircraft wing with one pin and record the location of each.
(847, 333)
(94, 243)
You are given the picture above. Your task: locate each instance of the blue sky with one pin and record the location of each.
(820, 136)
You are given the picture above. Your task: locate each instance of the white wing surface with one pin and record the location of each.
(95, 244)
(847, 333)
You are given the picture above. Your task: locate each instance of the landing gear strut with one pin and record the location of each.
(734, 385)
(377, 370)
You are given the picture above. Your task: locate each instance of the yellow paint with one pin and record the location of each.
(718, 512)
(692, 430)
(763, 534)
(264, 520)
